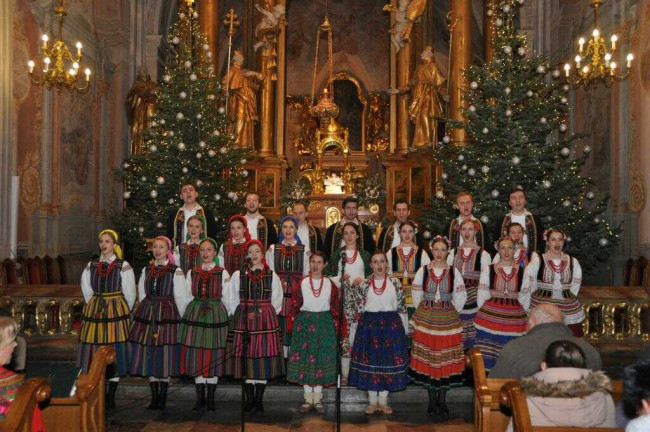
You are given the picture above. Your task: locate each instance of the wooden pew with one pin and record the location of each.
(514, 398)
(20, 415)
(85, 411)
(487, 411)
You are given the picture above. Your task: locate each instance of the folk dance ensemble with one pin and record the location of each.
(187, 254)
(204, 328)
(255, 299)
(437, 356)
(108, 287)
(153, 337)
(502, 303)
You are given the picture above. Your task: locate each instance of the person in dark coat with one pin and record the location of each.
(334, 235)
(389, 236)
(177, 218)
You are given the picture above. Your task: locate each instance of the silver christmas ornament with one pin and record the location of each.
(211, 153)
(485, 219)
(170, 201)
(184, 170)
(206, 47)
(202, 144)
(473, 85)
(153, 148)
(507, 90)
(546, 184)
(485, 169)
(563, 127)
(160, 180)
(529, 93)
(485, 131)
(199, 183)
(167, 78)
(446, 139)
(153, 193)
(188, 64)
(223, 150)
(586, 149)
(126, 195)
(596, 220)
(199, 155)
(182, 95)
(543, 120)
(439, 194)
(243, 161)
(176, 40)
(498, 22)
(472, 108)
(181, 146)
(507, 49)
(508, 113)
(471, 172)
(566, 203)
(444, 176)
(461, 158)
(126, 165)
(193, 77)
(199, 116)
(494, 193)
(179, 116)
(516, 160)
(143, 179)
(564, 100)
(221, 110)
(603, 242)
(565, 151)
(159, 225)
(464, 167)
(217, 197)
(590, 195)
(140, 230)
(541, 69)
(216, 132)
(521, 51)
(556, 74)
(245, 173)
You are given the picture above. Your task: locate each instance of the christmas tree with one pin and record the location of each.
(517, 114)
(188, 142)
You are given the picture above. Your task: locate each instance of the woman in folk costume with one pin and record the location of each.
(204, 327)
(314, 326)
(232, 253)
(437, 355)
(348, 267)
(187, 253)
(502, 302)
(522, 255)
(380, 352)
(406, 259)
(255, 299)
(153, 338)
(108, 286)
(555, 278)
(470, 260)
(289, 259)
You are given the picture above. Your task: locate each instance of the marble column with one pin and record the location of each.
(7, 144)
(461, 58)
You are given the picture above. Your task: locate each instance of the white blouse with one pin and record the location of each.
(225, 279)
(222, 256)
(531, 282)
(270, 257)
(311, 303)
(486, 260)
(354, 270)
(128, 282)
(231, 299)
(179, 288)
(425, 260)
(484, 289)
(458, 295)
(384, 302)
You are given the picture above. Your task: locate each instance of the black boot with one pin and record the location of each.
(199, 406)
(259, 395)
(162, 396)
(432, 401)
(212, 388)
(110, 398)
(250, 397)
(155, 389)
(444, 411)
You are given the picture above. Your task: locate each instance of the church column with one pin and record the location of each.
(461, 58)
(267, 59)
(7, 153)
(209, 23)
(489, 28)
(404, 68)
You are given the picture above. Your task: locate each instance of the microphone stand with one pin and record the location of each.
(339, 364)
(245, 348)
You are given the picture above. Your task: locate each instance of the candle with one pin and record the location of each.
(72, 72)
(578, 59)
(614, 39)
(87, 71)
(613, 68)
(30, 64)
(581, 42)
(567, 68)
(630, 57)
(608, 58)
(79, 49)
(45, 39)
(46, 60)
(596, 33)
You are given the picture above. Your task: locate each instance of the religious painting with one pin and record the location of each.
(400, 185)
(418, 185)
(351, 110)
(332, 216)
(266, 189)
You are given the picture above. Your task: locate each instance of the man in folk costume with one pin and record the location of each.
(334, 235)
(305, 229)
(465, 205)
(533, 228)
(177, 219)
(389, 236)
(259, 227)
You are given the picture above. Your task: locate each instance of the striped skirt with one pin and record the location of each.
(312, 359)
(153, 338)
(264, 358)
(105, 321)
(437, 358)
(568, 304)
(467, 316)
(380, 353)
(497, 322)
(202, 334)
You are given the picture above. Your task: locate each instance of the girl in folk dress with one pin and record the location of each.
(312, 359)
(380, 352)
(470, 260)
(437, 357)
(232, 254)
(502, 303)
(522, 255)
(255, 299)
(187, 254)
(348, 267)
(153, 341)
(108, 286)
(204, 327)
(556, 279)
(290, 260)
(406, 259)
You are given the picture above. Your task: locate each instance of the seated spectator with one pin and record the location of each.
(636, 396)
(10, 382)
(19, 356)
(521, 357)
(565, 393)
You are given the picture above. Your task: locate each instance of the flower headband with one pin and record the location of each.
(443, 239)
(547, 233)
(477, 225)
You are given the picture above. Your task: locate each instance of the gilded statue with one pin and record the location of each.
(407, 13)
(377, 124)
(272, 18)
(427, 92)
(306, 142)
(140, 106)
(242, 100)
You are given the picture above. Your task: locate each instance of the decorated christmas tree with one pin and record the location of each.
(187, 141)
(518, 135)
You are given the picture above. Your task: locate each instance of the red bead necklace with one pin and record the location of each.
(288, 251)
(158, 272)
(314, 291)
(109, 268)
(466, 258)
(378, 291)
(556, 268)
(508, 277)
(437, 279)
(354, 257)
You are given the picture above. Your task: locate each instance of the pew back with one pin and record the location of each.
(21, 413)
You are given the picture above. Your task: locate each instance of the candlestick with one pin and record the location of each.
(45, 39)
(79, 49)
(578, 59)
(30, 64)
(630, 57)
(613, 68)
(46, 60)
(614, 39)
(87, 71)
(608, 58)
(582, 43)
(567, 69)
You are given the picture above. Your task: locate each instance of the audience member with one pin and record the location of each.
(636, 396)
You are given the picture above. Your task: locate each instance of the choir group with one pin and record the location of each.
(262, 306)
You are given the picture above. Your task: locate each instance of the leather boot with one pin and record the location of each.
(259, 395)
(155, 389)
(110, 399)
(250, 396)
(212, 388)
(162, 396)
(199, 406)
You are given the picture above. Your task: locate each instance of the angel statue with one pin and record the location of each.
(333, 184)
(242, 100)
(272, 17)
(427, 92)
(407, 12)
(140, 105)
